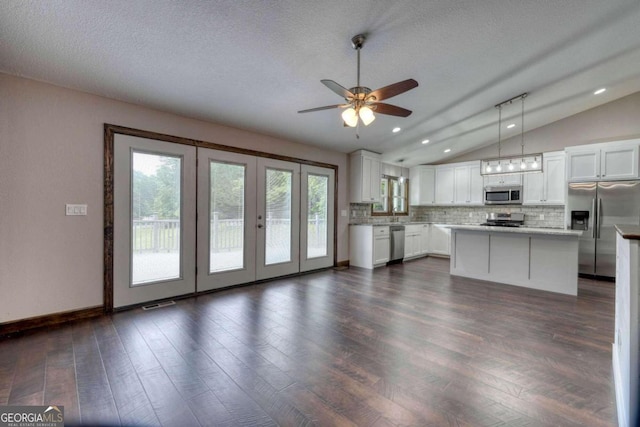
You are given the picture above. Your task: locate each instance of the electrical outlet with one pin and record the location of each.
(470, 214)
(75, 210)
(541, 217)
(353, 213)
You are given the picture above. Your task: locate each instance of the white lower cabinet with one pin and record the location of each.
(381, 245)
(369, 245)
(412, 240)
(425, 233)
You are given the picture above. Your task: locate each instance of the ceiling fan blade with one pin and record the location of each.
(393, 89)
(328, 107)
(390, 110)
(342, 91)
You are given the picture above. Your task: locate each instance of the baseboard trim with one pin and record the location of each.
(344, 263)
(22, 325)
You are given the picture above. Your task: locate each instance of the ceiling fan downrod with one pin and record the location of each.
(357, 42)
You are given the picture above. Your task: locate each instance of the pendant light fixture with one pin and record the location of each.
(507, 165)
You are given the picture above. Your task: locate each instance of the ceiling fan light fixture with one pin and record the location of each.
(350, 117)
(366, 115)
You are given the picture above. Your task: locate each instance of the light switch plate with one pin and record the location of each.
(343, 212)
(541, 217)
(75, 210)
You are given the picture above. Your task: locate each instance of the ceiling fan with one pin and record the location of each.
(362, 102)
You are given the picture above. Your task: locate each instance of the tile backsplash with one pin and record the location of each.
(535, 216)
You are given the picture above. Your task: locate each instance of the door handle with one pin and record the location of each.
(593, 210)
(260, 225)
(599, 216)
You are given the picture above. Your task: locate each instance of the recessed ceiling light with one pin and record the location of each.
(426, 141)
(599, 91)
(512, 125)
(396, 130)
(447, 150)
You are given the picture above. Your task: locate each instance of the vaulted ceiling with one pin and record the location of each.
(254, 64)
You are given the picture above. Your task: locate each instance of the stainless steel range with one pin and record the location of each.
(503, 219)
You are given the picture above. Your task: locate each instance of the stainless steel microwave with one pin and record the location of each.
(503, 195)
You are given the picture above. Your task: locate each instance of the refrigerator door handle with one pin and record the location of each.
(599, 216)
(593, 209)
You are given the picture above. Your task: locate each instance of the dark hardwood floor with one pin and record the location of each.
(403, 345)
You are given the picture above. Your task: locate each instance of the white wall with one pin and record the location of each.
(51, 153)
(616, 120)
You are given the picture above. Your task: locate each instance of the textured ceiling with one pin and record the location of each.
(254, 64)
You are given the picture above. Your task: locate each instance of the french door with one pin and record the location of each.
(317, 214)
(226, 219)
(154, 225)
(278, 221)
(248, 226)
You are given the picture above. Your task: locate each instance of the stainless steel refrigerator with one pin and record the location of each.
(596, 207)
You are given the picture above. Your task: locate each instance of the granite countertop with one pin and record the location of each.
(519, 230)
(386, 224)
(628, 231)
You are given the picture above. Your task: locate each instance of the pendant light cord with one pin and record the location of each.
(499, 130)
(522, 129)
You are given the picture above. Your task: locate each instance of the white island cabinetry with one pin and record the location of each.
(545, 259)
(626, 351)
(369, 245)
(440, 240)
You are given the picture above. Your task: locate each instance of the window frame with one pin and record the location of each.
(389, 197)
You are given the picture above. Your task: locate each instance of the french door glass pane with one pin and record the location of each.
(278, 216)
(226, 216)
(155, 218)
(318, 193)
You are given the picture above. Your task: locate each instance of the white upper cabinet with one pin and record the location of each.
(547, 187)
(450, 184)
(365, 177)
(461, 184)
(422, 186)
(619, 162)
(476, 185)
(445, 186)
(467, 183)
(601, 162)
(554, 184)
(497, 180)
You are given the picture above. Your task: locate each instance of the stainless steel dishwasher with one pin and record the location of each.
(397, 243)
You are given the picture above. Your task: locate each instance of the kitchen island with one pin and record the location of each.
(537, 258)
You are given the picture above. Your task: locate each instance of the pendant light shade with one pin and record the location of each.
(350, 117)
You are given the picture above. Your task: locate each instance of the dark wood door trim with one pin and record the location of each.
(110, 130)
